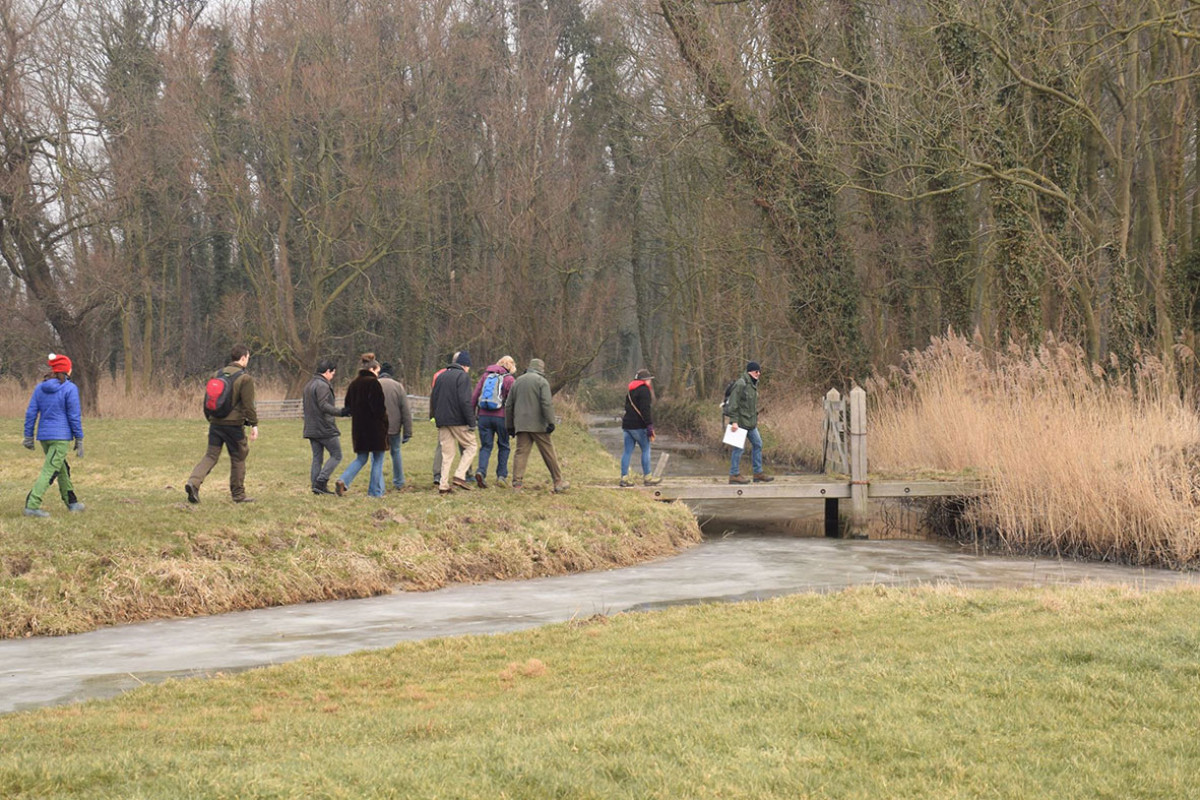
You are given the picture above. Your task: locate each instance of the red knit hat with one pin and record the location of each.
(59, 363)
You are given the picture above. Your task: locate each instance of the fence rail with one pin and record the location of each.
(294, 409)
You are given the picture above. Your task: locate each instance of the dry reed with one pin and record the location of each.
(177, 400)
(1078, 460)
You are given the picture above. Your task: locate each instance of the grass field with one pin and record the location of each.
(140, 551)
(871, 693)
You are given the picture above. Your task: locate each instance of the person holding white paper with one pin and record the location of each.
(742, 410)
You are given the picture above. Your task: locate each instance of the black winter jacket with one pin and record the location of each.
(450, 400)
(320, 412)
(637, 400)
(368, 413)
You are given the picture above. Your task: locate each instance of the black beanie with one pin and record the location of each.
(753, 367)
(463, 358)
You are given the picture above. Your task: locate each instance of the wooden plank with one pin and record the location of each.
(925, 488)
(805, 488)
(749, 491)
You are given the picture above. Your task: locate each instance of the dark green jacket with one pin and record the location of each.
(743, 402)
(244, 410)
(529, 407)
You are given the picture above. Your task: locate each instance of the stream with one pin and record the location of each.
(738, 560)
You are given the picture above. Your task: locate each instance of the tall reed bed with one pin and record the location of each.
(176, 400)
(1077, 460)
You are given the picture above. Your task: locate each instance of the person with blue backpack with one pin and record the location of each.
(55, 412)
(488, 398)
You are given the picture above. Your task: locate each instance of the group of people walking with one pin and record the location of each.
(499, 406)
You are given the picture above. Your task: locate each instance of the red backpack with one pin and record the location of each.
(218, 395)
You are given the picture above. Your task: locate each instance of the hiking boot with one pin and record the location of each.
(650, 480)
(193, 494)
(624, 482)
(461, 484)
(75, 507)
(444, 492)
(321, 487)
(339, 487)
(561, 487)
(738, 479)
(502, 483)
(518, 485)
(243, 499)
(36, 512)
(762, 477)
(479, 481)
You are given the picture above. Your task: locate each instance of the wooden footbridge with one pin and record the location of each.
(844, 475)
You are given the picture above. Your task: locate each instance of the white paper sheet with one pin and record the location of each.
(735, 438)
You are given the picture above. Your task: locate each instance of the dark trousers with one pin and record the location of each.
(233, 437)
(320, 473)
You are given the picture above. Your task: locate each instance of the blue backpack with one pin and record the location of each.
(491, 396)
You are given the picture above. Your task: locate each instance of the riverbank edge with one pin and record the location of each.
(139, 552)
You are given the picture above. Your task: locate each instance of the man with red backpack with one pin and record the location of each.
(226, 428)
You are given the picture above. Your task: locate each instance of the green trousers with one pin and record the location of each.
(54, 465)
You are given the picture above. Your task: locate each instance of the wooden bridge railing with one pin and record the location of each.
(294, 409)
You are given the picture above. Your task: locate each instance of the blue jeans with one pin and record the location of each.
(492, 429)
(640, 437)
(375, 487)
(755, 440)
(397, 461)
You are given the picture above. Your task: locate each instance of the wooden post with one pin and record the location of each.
(859, 506)
(833, 456)
(661, 467)
(831, 518)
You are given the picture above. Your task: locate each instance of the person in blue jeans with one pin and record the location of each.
(489, 418)
(368, 426)
(742, 410)
(638, 425)
(400, 424)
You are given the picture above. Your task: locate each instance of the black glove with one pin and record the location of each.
(550, 427)
(511, 432)
(79, 448)
(28, 442)
(404, 439)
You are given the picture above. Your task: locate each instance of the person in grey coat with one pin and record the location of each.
(320, 425)
(400, 425)
(529, 415)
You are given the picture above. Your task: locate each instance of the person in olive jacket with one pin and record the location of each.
(742, 410)
(230, 432)
(451, 410)
(320, 425)
(368, 426)
(529, 415)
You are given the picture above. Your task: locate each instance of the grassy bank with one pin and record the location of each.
(140, 551)
(871, 693)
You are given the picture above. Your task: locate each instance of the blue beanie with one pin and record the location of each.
(753, 367)
(463, 358)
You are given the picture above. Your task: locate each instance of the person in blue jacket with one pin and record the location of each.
(54, 408)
